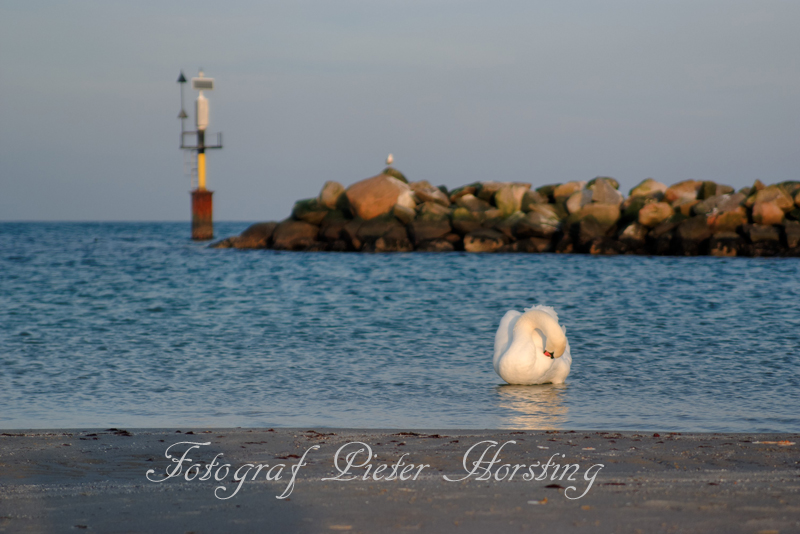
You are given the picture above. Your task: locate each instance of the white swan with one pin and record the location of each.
(531, 347)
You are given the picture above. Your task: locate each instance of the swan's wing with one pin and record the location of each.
(561, 366)
(503, 337)
(547, 309)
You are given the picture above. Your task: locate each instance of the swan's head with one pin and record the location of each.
(545, 332)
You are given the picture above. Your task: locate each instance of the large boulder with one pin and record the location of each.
(433, 211)
(604, 192)
(508, 224)
(692, 236)
(255, 236)
(294, 235)
(653, 214)
(531, 198)
(726, 244)
(542, 221)
(427, 193)
(605, 246)
(394, 173)
(634, 236)
(727, 221)
(535, 245)
(719, 204)
(547, 191)
(394, 240)
(607, 179)
(772, 193)
(792, 230)
(472, 203)
(563, 191)
(310, 211)
(648, 186)
(403, 214)
(488, 190)
(484, 241)
(578, 200)
(349, 234)
(710, 189)
(459, 192)
(686, 190)
(465, 221)
(330, 229)
(605, 214)
(422, 230)
(377, 227)
(508, 198)
(377, 196)
(759, 233)
(767, 212)
(331, 194)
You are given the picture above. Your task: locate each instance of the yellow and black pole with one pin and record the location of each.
(202, 205)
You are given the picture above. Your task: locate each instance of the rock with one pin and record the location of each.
(542, 221)
(330, 229)
(646, 187)
(350, 234)
(707, 189)
(508, 198)
(531, 198)
(403, 214)
(686, 206)
(797, 200)
(792, 187)
(547, 191)
(725, 244)
(484, 241)
(394, 173)
(427, 193)
(377, 227)
(507, 225)
(686, 190)
(759, 232)
(535, 245)
(578, 200)
(772, 193)
(433, 211)
(605, 246)
(634, 236)
(310, 211)
(472, 203)
(488, 189)
(758, 185)
(607, 179)
(331, 194)
(605, 214)
(792, 230)
(459, 192)
(604, 192)
(692, 236)
(294, 235)
(421, 230)
(377, 196)
(395, 240)
(718, 204)
(653, 214)
(563, 191)
(436, 245)
(794, 215)
(728, 221)
(765, 240)
(585, 231)
(255, 236)
(565, 245)
(465, 221)
(767, 212)
(633, 205)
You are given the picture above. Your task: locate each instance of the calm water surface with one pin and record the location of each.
(132, 324)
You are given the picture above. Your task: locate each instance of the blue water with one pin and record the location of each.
(134, 325)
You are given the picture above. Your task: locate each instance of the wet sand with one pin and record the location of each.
(59, 481)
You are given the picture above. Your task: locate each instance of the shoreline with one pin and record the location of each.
(56, 480)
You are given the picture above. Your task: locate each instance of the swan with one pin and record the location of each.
(531, 347)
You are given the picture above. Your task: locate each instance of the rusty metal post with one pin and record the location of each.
(202, 213)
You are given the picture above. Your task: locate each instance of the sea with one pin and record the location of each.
(133, 325)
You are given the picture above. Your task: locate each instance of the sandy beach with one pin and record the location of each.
(65, 480)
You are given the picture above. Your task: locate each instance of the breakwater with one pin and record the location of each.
(387, 213)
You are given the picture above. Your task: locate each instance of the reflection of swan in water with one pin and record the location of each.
(535, 407)
(531, 347)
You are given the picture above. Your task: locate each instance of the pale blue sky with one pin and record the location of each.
(459, 91)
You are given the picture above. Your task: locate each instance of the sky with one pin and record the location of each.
(459, 91)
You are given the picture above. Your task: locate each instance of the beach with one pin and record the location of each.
(111, 481)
